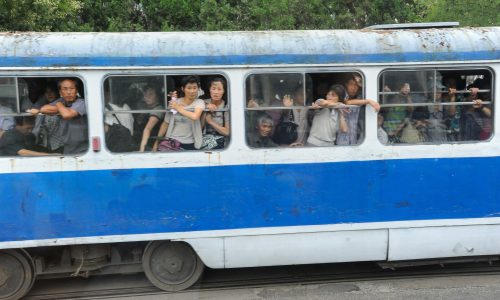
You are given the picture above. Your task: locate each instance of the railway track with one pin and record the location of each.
(128, 286)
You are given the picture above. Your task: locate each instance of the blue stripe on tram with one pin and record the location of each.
(137, 201)
(110, 61)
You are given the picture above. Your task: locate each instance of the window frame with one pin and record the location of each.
(46, 76)
(164, 74)
(304, 72)
(436, 69)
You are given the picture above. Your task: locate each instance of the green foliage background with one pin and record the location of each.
(188, 15)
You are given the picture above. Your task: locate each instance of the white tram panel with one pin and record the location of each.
(440, 242)
(305, 248)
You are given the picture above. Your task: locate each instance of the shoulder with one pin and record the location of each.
(198, 103)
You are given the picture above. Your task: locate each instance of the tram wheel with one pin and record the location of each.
(17, 274)
(171, 266)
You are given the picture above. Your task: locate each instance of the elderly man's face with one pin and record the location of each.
(265, 129)
(68, 90)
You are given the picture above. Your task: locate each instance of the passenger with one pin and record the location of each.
(435, 124)
(118, 127)
(150, 123)
(215, 124)
(182, 125)
(260, 137)
(353, 86)
(395, 117)
(47, 127)
(73, 129)
(36, 94)
(125, 119)
(381, 134)
(6, 122)
(19, 140)
(297, 116)
(275, 114)
(454, 111)
(327, 121)
(476, 118)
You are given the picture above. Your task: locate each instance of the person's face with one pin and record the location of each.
(439, 95)
(405, 89)
(68, 90)
(150, 97)
(216, 91)
(380, 120)
(352, 88)
(190, 91)
(25, 129)
(50, 95)
(331, 95)
(265, 129)
(299, 98)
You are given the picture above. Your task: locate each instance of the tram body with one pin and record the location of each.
(244, 207)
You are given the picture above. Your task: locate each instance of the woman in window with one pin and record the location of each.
(182, 127)
(152, 121)
(215, 123)
(328, 118)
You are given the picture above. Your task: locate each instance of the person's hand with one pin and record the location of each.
(477, 103)
(375, 105)
(174, 105)
(287, 101)
(452, 92)
(33, 111)
(315, 104)
(172, 94)
(211, 107)
(252, 103)
(296, 144)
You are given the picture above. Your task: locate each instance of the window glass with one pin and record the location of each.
(8, 95)
(435, 106)
(139, 116)
(42, 116)
(303, 109)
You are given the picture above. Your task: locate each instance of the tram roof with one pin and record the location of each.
(247, 48)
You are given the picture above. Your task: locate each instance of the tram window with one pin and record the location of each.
(435, 106)
(33, 123)
(303, 109)
(138, 117)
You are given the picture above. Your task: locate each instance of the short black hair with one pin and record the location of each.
(20, 121)
(339, 90)
(74, 80)
(190, 79)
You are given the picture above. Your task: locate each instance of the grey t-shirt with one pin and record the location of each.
(183, 126)
(219, 117)
(74, 131)
(324, 127)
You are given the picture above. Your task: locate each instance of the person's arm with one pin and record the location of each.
(323, 103)
(478, 104)
(223, 130)
(146, 133)
(67, 113)
(196, 115)
(161, 132)
(361, 102)
(26, 152)
(49, 109)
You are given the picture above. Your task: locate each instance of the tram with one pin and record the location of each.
(170, 214)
